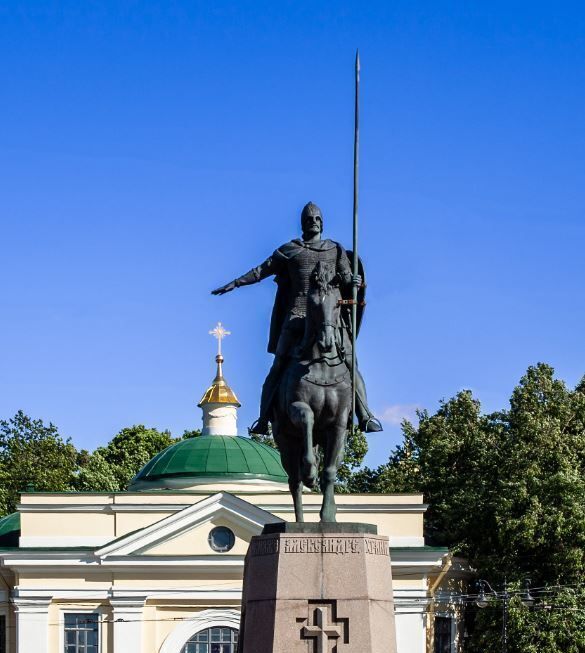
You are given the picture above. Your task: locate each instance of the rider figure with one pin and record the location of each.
(293, 264)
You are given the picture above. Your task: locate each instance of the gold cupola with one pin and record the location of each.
(219, 391)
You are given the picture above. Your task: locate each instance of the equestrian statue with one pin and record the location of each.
(307, 395)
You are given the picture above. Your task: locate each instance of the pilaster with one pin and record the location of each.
(127, 615)
(32, 624)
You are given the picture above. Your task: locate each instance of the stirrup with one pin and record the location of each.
(371, 425)
(260, 427)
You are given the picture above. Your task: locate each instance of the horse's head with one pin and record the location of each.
(323, 307)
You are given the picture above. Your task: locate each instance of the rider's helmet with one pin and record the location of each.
(313, 211)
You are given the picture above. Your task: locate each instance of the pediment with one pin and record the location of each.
(186, 532)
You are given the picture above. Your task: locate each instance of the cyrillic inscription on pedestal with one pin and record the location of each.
(323, 544)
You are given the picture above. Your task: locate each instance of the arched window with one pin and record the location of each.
(212, 640)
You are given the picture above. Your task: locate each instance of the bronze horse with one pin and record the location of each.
(313, 402)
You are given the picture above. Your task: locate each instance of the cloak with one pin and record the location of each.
(283, 299)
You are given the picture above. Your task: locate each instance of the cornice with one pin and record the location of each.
(112, 508)
(403, 561)
(349, 507)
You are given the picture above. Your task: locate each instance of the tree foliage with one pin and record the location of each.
(97, 475)
(556, 624)
(111, 468)
(356, 448)
(267, 439)
(190, 433)
(33, 454)
(507, 490)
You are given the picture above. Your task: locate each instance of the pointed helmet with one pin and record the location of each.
(311, 209)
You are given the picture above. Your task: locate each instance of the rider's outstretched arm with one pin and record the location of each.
(272, 265)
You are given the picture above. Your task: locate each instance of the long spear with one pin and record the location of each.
(356, 146)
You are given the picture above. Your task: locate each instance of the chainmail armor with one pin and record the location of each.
(300, 269)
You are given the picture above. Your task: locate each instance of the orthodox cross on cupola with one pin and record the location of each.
(219, 332)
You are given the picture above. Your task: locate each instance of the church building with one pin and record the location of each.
(158, 568)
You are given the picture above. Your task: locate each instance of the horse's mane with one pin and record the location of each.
(322, 276)
(323, 282)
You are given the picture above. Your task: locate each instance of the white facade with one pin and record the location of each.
(152, 578)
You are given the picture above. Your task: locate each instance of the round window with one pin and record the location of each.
(221, 539)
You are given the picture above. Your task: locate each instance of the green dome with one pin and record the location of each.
(210, 458)
(10, 530)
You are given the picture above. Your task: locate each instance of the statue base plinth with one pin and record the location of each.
(318, 588)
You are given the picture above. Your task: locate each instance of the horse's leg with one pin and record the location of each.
(293, 469)
(290, 457)
(302, 417)
(296, 489)
(331, 461)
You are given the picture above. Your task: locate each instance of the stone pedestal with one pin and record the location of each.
(318, 588)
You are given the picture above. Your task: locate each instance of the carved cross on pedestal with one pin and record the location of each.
(321, 632)
(219, 332)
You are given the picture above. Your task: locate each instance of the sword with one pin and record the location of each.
(356, 145)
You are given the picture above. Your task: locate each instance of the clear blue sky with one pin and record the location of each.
(150, 151)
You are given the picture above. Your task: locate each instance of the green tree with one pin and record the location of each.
(356, 448)
(539, 503)
(400, 474)
(110, 468)
(268, 440)
(507, 490)
(96, 474)
(190, 433)
(445, 457)
(33, 454)
(556, 624)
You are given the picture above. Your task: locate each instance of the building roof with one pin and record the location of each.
(10, 530)
(219, 391)
(210, 458)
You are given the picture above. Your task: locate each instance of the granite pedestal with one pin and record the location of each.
(318, 588)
